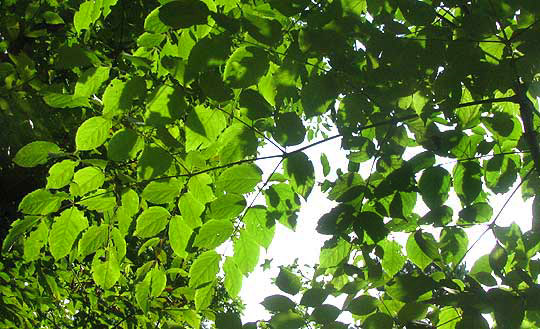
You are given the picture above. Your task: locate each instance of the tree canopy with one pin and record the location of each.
(131, 138)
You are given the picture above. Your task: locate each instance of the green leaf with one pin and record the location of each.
(278, 303)
(150, 40)
(191, 209)
(18, 228)
(472, 319)
(468, 116)
(124, 145)
(75, 56)
(421, 161)
(92, 133)
(142, 290)
(88, 13)
(259, 227)
(207, 53)
(239, 179)
(427, 244)
(267, 31)
(119, 96)
(91, 80)
(41, 202)
(93, 239)
(229, 320)
(301, 173)
(213, 233)
(363, 305)
(233, 277)
(408, 288)
(204, 269)
(52, 18)
(151, 221)
(289, 129)
(153, 23)
(448, 318)
(153, 162)
(378, 321)
(238, 143)
(481, 271)
(434, 186)
(453, 244)
(372, 224)
(183, 13)
(498, 258)
(65, 230)
(325, 313)
(416, 254)
(287, 320)
(158, 281)
(509, 308)
(106, 273)
(60, 174)
(325, 164)
(254, 105)
(318, 95)
(35, 241)
(149, 244)
(86, 180)
(412, 311)
(227, 206)
(101, 200)
(62, 101)
(467, 181)
(35, 153)
(166, 106)
(393, 259)
(164, 191)
(204, 296)
(213, 86)
(203, 126)
(198, 186)
(501, 172)
(332, 254)
(439, 216)
(314, 297)
(288, 282)
(245, 67)
(179, 235)
(246, 253)
(477, 213)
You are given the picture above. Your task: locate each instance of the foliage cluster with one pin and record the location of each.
(140, 123)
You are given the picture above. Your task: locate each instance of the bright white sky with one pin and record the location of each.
(305, 243)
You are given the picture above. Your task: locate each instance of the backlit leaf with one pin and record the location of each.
(40, 202)
(151, 221)
(92, 133)
(288, 282)
(35, 153)
(239, 179)
(233, 277)
(65, 230)
(60, 174)
(246, 253)
(213, 233)
(204, 269)
(245, 67)
(301, 173)
(179, 235)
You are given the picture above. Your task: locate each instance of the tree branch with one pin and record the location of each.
(489, 101)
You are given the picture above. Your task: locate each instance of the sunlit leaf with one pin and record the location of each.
(35, 153)
(65, 230)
